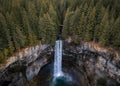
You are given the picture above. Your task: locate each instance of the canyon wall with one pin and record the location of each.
(28, 55)
(101, 61)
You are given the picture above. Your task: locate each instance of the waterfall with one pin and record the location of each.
(58, 59)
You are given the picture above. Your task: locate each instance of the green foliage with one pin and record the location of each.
(105, 29)
(22, 22)
(2, 59)
(116, 33)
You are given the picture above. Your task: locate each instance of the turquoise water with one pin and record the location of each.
(60, 81)
(71, 77)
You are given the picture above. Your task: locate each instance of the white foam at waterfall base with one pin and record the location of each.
(58, 59)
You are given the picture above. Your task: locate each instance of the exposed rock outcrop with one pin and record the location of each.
(97, 61)
(28, 62)
(24, 54)
(106, 61)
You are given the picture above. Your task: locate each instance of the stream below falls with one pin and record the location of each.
(72, 76)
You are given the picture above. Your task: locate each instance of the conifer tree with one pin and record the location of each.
(116, 33)
(66, 23)
(90, 24)
(99, 16)
(104, 38)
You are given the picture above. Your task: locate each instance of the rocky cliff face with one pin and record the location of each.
(24, 66)
(106, 61)
(100, 62)
(27, 54)
(96, 62)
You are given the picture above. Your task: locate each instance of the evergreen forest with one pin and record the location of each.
(24, 22)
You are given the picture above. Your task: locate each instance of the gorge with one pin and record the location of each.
(59, 42)
(87, 65)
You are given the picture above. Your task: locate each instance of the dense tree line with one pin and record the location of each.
(23, 22)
